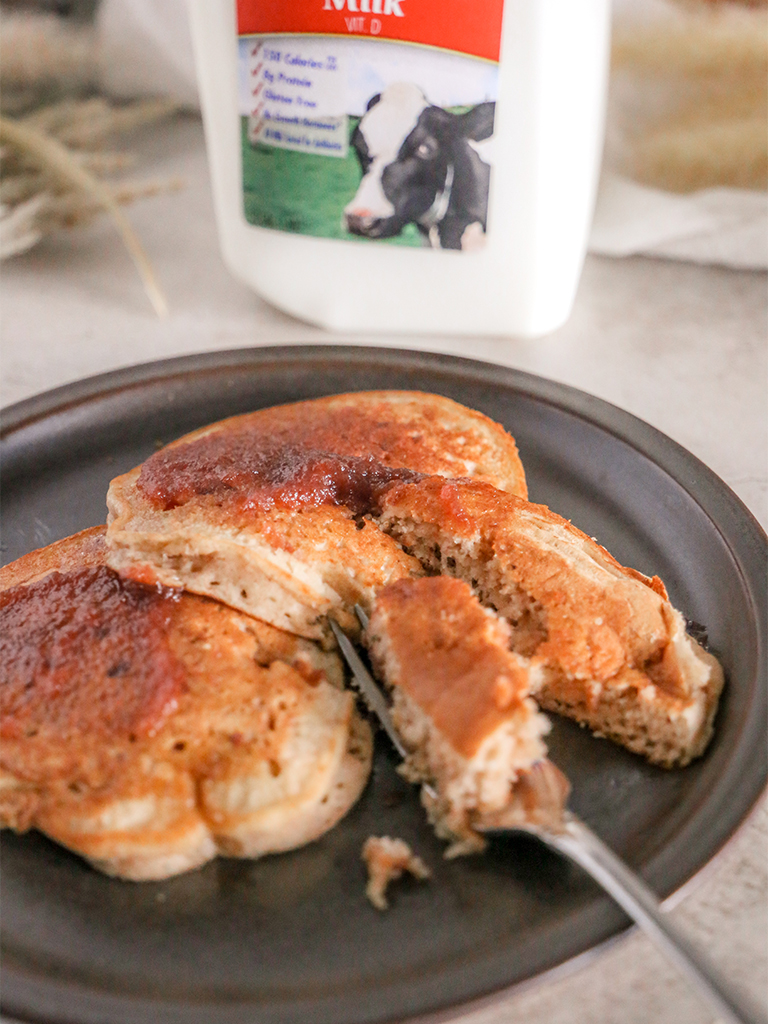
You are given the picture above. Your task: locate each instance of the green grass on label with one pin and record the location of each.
(304, 193)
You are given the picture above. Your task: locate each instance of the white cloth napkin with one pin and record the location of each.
(145, 49)
(725, 226)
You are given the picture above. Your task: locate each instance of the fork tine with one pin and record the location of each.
(371, 691)
(368, 687)
(361, 616)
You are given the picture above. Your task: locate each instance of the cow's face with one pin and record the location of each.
(404, 146)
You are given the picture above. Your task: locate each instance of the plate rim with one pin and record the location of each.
(698, 481)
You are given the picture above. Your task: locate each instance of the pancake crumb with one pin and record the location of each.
(387, 859)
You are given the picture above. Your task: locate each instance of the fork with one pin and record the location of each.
(539, 809)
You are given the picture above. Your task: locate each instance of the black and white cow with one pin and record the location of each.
(420, 167)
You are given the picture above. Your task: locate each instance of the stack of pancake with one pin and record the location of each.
(169, 686)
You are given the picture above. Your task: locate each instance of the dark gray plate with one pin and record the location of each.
(291, 938)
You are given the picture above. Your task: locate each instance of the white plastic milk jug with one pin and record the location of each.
(405, 165)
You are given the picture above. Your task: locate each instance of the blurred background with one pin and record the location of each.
(686, 156)
(101, 141)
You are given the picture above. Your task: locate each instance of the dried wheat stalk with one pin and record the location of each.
(50, 181)
(701, 74)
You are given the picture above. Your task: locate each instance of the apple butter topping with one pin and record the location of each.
(255, 472)
(86, 653)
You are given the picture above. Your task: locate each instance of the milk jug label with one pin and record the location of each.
(369, 120)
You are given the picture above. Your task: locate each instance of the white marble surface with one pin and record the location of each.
(683, 347)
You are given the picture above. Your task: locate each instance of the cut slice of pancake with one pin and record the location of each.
(460, 700)
(149, 730)
(268, 511)
(603, 643)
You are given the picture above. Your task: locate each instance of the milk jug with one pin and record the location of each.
(405, 165)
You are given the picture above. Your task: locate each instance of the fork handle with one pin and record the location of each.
(580, 844)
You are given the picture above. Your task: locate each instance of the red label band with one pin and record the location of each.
(472, 27)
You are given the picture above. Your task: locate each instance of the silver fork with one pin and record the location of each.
(539, 809)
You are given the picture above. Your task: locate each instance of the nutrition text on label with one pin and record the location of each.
(297, 98)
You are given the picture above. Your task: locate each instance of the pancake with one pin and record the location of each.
(150, 730)
(270, 511)
(460, 700)
(602, 643)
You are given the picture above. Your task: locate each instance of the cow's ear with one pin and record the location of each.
(373, 101)
(477, 123)
(438, 121)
